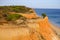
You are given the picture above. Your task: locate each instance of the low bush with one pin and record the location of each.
(44, 15)
(13, 17)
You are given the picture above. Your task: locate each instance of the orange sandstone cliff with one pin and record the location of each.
(45, 28)
(34, 29)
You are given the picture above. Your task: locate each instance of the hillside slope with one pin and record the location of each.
(46, 30)
(32, 31)
(31, 27)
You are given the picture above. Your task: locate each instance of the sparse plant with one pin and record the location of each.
(17, 9)
(13, 17)
(44, 15)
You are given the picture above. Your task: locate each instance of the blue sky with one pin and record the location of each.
(33, 3)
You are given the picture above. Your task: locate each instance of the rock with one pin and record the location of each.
(19, 21)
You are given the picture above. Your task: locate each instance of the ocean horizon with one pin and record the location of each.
(53, 15)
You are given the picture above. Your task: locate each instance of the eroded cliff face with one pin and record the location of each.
(32, 29)
(46, 30)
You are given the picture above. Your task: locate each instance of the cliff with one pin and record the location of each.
(31, 28)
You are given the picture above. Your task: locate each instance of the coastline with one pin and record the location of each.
(56, 29)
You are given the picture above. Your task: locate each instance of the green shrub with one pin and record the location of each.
(20, 9)
(13, 17)
(44, 15)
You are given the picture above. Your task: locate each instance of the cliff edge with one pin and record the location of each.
(29, 26)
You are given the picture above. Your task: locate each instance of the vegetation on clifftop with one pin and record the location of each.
(13, 17)
(11, 13)
(44, 15)
(17, 9)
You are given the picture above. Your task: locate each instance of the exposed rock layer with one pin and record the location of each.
(33, 29)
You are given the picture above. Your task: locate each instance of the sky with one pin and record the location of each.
(33, 3)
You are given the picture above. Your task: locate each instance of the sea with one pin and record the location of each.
(53, 15)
